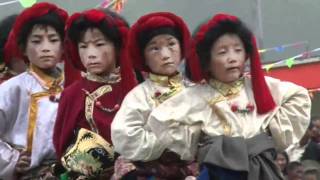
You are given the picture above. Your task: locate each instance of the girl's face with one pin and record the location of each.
(227, 58)
(281, 161)
(97, 53)
(163, 54)
(44, 47)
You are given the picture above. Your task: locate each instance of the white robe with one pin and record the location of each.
(15, 96)
(287, 122)
(131, 135)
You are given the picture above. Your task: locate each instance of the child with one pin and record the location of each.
(95, 43)
(158, 43)
(28, 102)
(243, 117)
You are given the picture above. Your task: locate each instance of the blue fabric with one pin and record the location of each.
(219, 173)
(204, 174)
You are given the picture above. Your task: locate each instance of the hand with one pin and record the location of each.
(122, 167)
(23, 162)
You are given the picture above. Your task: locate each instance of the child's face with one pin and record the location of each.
(97, 53)
(227, 58)
(163, 54)
(315, 131)
(44, 47)
(281, 161)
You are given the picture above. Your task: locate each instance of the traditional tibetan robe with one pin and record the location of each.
(28, 107)
(227, 113)
(131, 133)
(89, 103)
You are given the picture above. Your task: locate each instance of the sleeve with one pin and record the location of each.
(131, 137)
(291, 117)
(9, 100)
(177, 123)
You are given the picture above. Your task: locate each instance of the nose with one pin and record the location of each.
(165, 53)
(91, 52)
(233, 57)
(46, 46)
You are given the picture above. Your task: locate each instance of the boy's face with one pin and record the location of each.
(227, 58)
(315, 131)
(44, 47)
(97, 53)
(163, 54)
(296, 173)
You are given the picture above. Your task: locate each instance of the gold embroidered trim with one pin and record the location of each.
(45, 80)
(174, 83)
(33, 113)
(227, 89)
(165, 80)
(89, 104)
(226, 92)
(112, 78)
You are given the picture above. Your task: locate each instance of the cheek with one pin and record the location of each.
(82, 56)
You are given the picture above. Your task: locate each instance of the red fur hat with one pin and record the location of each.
(154, 21)
(262, 95)
(97, 16)
(11, 49)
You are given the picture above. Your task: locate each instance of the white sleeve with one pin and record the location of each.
(131, 137)
(8, 113)
(292, 115)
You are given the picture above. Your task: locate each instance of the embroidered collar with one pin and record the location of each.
(111, 78)
(46, 81)
(225, 89)
(166, 80)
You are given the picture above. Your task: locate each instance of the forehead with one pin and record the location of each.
(92, 34)
(161, 38)
(228, 39)
(40, 30)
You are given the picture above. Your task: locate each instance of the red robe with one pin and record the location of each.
(71, 112)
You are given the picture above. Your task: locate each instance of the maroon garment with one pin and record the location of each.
(71, 113)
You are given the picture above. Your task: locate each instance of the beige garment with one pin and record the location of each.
(205, 105)
(131, 134)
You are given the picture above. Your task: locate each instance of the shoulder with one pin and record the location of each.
(16, 83)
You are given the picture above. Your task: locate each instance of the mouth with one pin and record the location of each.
(169, 64)
(46, 57)
(92, 65)
(233, 69)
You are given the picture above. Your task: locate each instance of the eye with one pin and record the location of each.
(35, 41)
(222, 52)
(239, 49)
(54, 40)
(172, 43)
(82, 46)
(100, 44)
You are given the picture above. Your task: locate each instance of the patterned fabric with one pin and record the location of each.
(90, 155)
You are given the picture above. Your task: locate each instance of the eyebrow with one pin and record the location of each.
(40, 35)
(96, 40)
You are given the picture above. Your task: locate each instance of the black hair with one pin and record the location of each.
(145, 36)
(5, 28)
(51, 19)
(238, 28)
(286, 156)
(313, 119)
(81, 25)
(293, 165)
